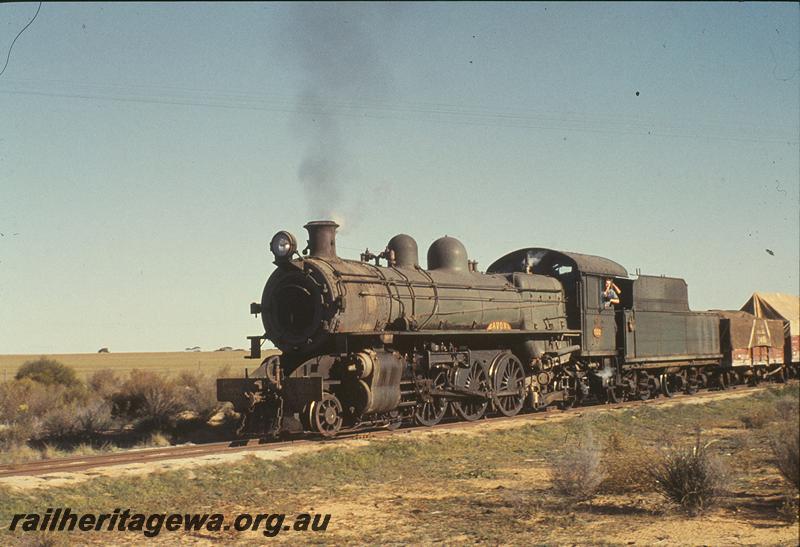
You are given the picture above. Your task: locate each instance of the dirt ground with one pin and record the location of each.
(470, 498)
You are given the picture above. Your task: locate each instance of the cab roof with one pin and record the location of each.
(546, 261)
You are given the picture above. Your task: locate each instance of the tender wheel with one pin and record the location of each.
(677, 382)
(614, 394)
(666, 387)
(474, 379)
(326, 415)
(431, 411)
(692, 382)
(644, 386)
(509, 384)
(722, 381)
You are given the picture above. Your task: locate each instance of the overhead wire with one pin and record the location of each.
(14, 41)
(367, 108)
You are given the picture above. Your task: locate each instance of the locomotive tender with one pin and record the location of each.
(366, 345)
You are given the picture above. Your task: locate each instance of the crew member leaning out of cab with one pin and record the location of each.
(610, 294)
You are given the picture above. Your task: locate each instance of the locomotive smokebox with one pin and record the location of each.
(322, 238)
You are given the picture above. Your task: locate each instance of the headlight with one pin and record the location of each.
(283, 245)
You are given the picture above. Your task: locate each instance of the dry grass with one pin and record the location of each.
(625, 461)
(692, 478)
(155, 440)
(785, 443)
(490, 486)
(85, 364)
(756, 420)
(578, 471)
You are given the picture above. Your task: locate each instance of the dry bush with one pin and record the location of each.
(785, 443)
(24, 406)
(31, 411)
(49, 372)
(690, 477)
(18, 453)
(199, 395)
(18, 433)
(26, 397)
(104, 383)
(756, 420)
(73, 419)
(626, 461)
(49, 452)
(155, 440)
(151, 399)
(787, 408)
(59, 423)
(94, 417)
(578, 472)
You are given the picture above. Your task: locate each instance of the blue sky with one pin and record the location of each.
(148, 152)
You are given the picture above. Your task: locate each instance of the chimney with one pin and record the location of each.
(322, 238)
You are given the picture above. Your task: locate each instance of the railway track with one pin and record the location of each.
(84, 463)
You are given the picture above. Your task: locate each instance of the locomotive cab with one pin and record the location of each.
(582, 277)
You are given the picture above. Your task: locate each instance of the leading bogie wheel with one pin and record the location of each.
(431, 410)
(395, 420)
(326, 415)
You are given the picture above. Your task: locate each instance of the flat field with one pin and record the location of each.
(87, 363)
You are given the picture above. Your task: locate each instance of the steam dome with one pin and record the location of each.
(405, 251)
(447, 253)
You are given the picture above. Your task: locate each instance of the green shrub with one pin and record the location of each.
(690, 477)
(49, 372)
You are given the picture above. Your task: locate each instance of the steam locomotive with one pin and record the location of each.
(370, 345)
